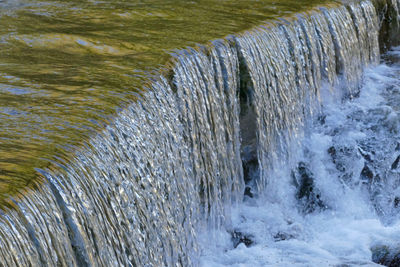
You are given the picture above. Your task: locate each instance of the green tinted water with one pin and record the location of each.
(67, 66)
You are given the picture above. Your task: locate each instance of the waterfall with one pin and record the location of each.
(173, 163)
(287, 65)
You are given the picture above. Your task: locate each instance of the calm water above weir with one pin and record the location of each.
(67, 66)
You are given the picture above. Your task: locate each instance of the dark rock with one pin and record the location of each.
(396, 163)
(239, 237)
(309, 196)
(247, 192)
(367, 173)
(365, 155)
(385, 255)
(396, 202)
(336, 156)
(280, 236)
(306, 182)
(332, 151)
(390, 28)
(248, 124)
(250, 169)
(322, 119)
(379, 254)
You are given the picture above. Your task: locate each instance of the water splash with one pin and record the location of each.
(336, 201)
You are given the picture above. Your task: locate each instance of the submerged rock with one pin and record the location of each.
(386, 255)
(281, 236)
(343, 158)
(307, 194)
(239, 237)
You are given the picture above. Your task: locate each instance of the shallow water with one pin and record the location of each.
(67, 66)
(350, 151)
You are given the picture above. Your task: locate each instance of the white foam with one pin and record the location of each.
(345, 232)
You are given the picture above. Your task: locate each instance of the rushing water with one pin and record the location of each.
(335, 199)
(222, 120)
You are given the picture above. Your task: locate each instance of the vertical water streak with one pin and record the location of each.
(37, 222)
(289, 62)
(207, 89)
(372, 23)
(281, 86)
(17, 249)
(130, 191)
(226, 66)
(347, 49)
(327, 53)
(43, 219)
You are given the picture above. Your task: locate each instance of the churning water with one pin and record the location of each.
(295, 117)
(335, 199)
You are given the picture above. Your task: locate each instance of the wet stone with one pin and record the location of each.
(239, 237)
(248, 192)
(332, 151)
(336, 156)
(367, 173)
(250, 170)
(322, 119)
(281, 236)
(386, 255)
(309, 197)
(396, 202)
(395, 164)
(344, 157)
(365, 155)
(398, 147)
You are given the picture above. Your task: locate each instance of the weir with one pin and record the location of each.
(206, 131)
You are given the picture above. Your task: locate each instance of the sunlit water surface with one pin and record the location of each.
(67, 66)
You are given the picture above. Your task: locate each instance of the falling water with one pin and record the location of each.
(334, 201)
(288, 63)
(171, 165)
